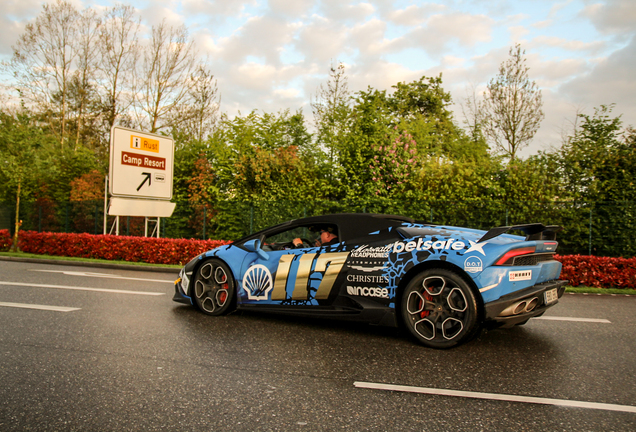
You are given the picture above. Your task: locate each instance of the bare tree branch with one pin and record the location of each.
(168, 62)
(511, 111)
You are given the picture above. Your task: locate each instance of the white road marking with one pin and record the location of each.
(590, 320)
(497, 396)
(39, 307)
(76, 288)
(102, 275)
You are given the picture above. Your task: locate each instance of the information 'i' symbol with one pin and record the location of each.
(136, 142)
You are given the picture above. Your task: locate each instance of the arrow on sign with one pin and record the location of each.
(144, 182)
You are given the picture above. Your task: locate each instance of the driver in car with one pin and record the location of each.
(327, 237)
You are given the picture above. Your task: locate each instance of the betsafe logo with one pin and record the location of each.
(450, 244)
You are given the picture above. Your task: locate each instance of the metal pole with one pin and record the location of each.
(158, 225)
(105, 203)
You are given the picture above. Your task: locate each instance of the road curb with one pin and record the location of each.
(152, 269)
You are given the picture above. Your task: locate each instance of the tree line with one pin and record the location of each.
(397, 149)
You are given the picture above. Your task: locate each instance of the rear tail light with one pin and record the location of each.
(514, 253)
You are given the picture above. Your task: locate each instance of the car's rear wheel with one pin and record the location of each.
(440, 309)
(214, 288)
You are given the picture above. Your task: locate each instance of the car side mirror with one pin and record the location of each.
(255, 246)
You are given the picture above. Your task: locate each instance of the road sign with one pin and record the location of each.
(141, 164)
(140, 207)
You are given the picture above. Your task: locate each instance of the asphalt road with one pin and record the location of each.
(125, 357)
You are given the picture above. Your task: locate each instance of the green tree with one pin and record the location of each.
(598, 163)
(370, 128)
(331, 109)
(22, 144)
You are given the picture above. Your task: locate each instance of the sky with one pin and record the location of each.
(272, 55)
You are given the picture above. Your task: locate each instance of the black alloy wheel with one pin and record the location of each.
(214, 288)
(440, 309)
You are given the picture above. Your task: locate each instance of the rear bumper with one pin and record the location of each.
(499, 312)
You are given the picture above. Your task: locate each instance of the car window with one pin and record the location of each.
(289, 235)
(284, 239)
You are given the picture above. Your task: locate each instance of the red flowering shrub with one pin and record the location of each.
(5, 240)
(599, 272)
(121, 248)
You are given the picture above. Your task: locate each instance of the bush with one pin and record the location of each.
(5, 240)
(599, 272)
(120, 248)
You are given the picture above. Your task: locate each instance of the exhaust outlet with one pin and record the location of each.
(532, 303)
(514, 309)
(519, 308)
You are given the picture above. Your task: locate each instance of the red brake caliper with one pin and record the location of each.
(425, 313)
(223, 295)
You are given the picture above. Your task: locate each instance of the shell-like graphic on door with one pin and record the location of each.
(257, 282)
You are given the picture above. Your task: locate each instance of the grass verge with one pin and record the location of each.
(591, 290)
(74, 259)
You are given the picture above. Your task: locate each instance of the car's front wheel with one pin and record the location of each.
(440, 309)
(214, 288)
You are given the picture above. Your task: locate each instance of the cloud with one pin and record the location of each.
(292, 8)
(570, 45)
(321, 40)
(612, 16)
(343, 11)
(611, 80)
(215, 8)
(517, 33)
(261, 37)
(439, 31)
(414, 15)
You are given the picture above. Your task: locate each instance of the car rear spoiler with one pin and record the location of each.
(534, 231)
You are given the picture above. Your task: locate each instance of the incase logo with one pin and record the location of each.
(520, 275)
(368, 292)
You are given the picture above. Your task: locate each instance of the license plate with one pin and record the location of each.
(551, 296)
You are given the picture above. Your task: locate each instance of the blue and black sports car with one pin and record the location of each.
(443, 283)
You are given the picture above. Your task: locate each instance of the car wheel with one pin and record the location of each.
(213, 288)
(440, 309)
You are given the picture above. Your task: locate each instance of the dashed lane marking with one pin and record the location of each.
(557, 318)
(497, 396)
(103, 275)
(39, 307)
(76, 288)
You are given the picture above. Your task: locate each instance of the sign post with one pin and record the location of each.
(140, 176)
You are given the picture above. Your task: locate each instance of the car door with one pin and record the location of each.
(291, 276)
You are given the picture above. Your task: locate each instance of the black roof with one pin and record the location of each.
(350, 225)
